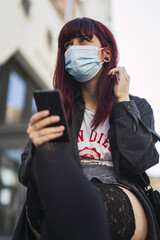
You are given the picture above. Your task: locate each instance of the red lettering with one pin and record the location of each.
(93, 136)
(80, 136)
(100, 138)
(106, 142)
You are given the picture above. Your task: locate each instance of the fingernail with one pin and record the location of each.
(46, 111)
(62, 127)
(57, 118)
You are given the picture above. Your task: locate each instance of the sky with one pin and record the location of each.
(135, 24)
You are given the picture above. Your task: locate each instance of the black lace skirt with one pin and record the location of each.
(119, 210)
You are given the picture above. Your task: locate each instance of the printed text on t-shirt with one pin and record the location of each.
(95, 138)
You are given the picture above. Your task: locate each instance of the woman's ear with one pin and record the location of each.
(106, 54)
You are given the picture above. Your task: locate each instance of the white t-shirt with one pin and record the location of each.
(93, 145)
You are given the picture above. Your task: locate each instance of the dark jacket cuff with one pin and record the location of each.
(121, 109)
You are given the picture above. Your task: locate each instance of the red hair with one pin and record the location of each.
(66, 83)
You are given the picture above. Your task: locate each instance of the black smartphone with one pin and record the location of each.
(52, 100)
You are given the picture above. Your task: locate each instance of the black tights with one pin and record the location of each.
(72, 206)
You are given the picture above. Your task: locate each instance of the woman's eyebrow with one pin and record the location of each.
(81, 36)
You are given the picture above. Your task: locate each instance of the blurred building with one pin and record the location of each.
(28, 45)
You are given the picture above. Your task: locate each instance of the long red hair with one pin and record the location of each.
(66, 83)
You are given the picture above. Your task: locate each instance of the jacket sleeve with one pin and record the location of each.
(26, 160)
(134, 150)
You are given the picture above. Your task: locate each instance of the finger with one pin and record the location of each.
(39, 115)
(45, 131)
(123, 73)
(120, 70)
(120, 74)
(117, 75)
(51, 130)
(113, 70)
(43, 123)
(47, 138)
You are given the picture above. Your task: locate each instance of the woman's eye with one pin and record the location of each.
(67, 45)
(85, 39)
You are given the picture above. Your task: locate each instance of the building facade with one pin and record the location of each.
(28, 45)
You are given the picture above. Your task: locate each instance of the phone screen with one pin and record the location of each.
(52, 100)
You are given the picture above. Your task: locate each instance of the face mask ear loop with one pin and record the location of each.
(101, 49)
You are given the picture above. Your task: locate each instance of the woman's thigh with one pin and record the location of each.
(127, 217)
(140, 216)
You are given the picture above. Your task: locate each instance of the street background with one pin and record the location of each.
(28, 45)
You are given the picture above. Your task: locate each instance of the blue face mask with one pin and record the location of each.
(82, 62)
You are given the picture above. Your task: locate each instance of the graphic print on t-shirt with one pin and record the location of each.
(93, 145)
(89, 153)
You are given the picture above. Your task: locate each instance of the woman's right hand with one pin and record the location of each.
(38, 131)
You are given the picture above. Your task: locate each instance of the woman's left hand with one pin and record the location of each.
(121, 87)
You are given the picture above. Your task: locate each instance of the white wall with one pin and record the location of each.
(97, 9)
(136, 28)
(28, 34)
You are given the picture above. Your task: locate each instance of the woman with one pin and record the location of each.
(111, 142)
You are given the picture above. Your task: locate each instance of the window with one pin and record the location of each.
(26, 4)
(16, 96)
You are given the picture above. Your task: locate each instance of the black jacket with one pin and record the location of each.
(132, 141)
